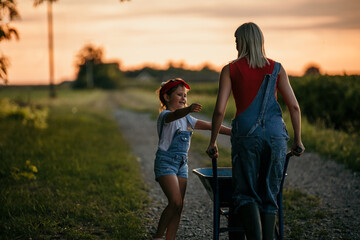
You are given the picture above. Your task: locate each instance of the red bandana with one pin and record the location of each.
(170, 85)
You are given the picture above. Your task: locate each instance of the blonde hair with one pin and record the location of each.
(250, 44)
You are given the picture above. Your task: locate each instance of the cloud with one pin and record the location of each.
(326, 14)
(345, 13)
(339, 14)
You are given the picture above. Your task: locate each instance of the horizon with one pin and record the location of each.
(156, 67)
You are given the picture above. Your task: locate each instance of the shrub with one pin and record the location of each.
(330, 100)
(29, 115)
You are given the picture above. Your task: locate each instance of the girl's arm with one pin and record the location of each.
(219, 111)
(204, 125)
(291, 102)
(182, 112)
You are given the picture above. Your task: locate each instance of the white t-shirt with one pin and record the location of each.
(170, 128)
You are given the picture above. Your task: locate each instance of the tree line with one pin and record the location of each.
(333, 101)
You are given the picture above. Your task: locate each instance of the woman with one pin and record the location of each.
(259, 136)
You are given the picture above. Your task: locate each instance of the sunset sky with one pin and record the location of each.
(297, 32)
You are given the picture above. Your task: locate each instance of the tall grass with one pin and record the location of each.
(330, 143)
(75, 179)
(334, 100)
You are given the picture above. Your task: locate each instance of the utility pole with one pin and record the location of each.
(51, 49)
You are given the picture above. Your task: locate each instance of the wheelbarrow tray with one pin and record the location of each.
(220, 190)
(225, 183)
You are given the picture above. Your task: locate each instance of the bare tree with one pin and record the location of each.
(8, 12)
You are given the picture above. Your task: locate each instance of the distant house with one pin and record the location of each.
(144, 76)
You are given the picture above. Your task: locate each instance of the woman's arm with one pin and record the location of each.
(219, 111)
(291, 102)
(204, 125)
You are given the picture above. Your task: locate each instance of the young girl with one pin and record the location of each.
(175, 127)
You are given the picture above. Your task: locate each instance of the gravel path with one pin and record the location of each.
(338, 188)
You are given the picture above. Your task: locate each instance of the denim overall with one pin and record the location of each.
(259, 143)
(174, 160)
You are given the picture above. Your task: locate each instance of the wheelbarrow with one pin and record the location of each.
(219, 188)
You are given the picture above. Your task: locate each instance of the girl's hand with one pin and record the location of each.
(297, 148)
(212, 151)
(195, 107)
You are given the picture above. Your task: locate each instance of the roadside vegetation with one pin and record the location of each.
(71, 176)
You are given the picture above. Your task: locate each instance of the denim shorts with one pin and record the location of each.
(167, 163)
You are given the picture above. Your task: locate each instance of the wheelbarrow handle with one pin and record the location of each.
(216, 211)
(280, 196)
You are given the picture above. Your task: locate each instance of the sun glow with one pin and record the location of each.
(137, 33)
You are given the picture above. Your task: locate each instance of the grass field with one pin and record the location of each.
(73, 179)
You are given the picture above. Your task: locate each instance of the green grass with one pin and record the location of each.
(329, 143)
(75, 179)
(303, 219)
(302, 215)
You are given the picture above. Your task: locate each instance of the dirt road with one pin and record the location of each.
(338, 187)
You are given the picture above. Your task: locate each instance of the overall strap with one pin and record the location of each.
(190, 122)
(270, 82)
(276, 70)
(162, 124)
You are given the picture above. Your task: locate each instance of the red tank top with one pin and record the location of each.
(246, 81)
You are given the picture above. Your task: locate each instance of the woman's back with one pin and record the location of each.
(246, 81)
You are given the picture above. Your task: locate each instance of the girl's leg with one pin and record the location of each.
(174, 224)
(174, 189)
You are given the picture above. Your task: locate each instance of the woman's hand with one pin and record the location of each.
(195, 107)
(297, 148)
(212, 151)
